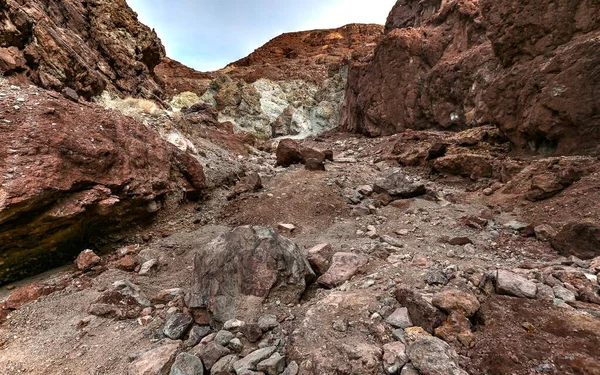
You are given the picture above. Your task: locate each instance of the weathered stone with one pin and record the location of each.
(432, 356)
(177, 326)
(274, 365)
(235, 345)
(544, 292)
(238, 270)
(197, 333)
(400, 318)
(421, 311)
(436, 277)
(514, 285)
(123, 300)
(250, 361)
(343, 267)
(234, 325)
(291, 369)
(392, 241)
(319, 257)
(147, 266)
(86, 260)
(210, 353)
(268, 322)
(454, 300)
(453, 326)
(289, 152)
(409, 369)
(395, 184)
(412, 334)
(252, 332)
(187, 364)
(579, 239)
(563, 293)
(224, 366)
(223, 337)
(394, 357)
(157, 360)
(544, 232)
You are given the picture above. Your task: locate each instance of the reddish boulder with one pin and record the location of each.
(579, 239)
(70, 173)
(86, 260)
(288, 152)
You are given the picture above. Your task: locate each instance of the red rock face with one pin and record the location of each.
(306, 55)
(178, 78)
(87, 46)
(71, 173)
(530, 68)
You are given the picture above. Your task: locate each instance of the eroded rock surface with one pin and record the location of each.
(86, 46)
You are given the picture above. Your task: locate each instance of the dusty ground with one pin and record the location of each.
(56, 335)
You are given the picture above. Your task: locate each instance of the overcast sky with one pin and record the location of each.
(209, 34)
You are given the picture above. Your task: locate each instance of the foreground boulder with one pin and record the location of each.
(70, 173)
(236, 272)
(432, 356)
(579, 239)
(291, 152)
(157, 360)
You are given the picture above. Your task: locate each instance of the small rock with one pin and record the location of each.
(454, 300)
(250, 361)
(155, 361)
(411, 334)
(365, 190)
(274, 365)
(409, 369)
(252, 332)
(544, 232)
(233, 325)
(514, 285)
(544, 292)
(236, 345)
(291, 369)
(400, 318)
(343, 267)
(86, 260)
(177, 326)
(223, 337)
(432, 356)
(210, 353)
(516, 225)
(268, 322)
(187, 364)
(147, 266)
(394, 357)
(392, 241)
(436, 277)
(420, 310)
(286, 228)
(460, 241)
(224, 366)
(563, 293)
(319, 257)
(128, 263)
(197, 333)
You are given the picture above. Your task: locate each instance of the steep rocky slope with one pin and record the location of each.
(88, 46)
(71, 175)
(456, 64)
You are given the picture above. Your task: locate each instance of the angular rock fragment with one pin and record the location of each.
(343, 267)
(514, 285)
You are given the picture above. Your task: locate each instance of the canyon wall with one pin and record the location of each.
(531, 68)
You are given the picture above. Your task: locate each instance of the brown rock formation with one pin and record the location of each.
(178, 78)
(70, 174)
(456, 64)
(87, 46)
(306, 55)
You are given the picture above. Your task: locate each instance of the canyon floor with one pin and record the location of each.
(406, 245)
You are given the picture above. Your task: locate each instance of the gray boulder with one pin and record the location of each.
(236, 272)
(432, 356)
(397, 185)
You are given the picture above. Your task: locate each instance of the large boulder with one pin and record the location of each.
(579, 239)
(87, 46)
(237, 271)
(397, 185)
(70, 174)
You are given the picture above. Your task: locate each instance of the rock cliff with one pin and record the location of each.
(456, 64)
(88, 46)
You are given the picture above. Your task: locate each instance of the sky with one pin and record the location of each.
(209, 34)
